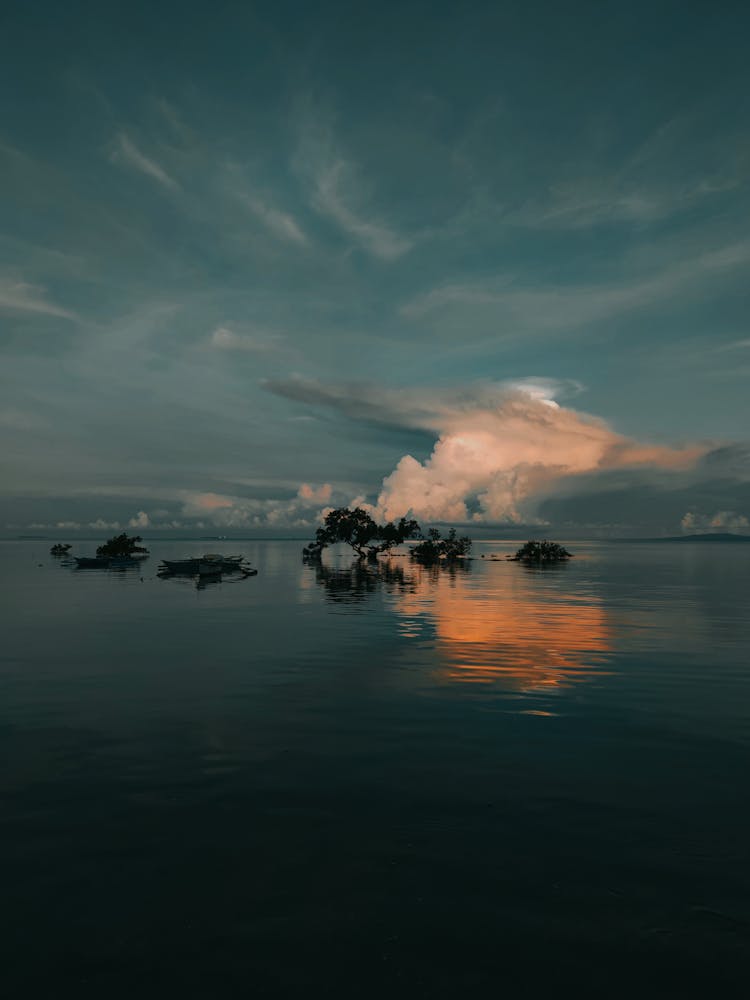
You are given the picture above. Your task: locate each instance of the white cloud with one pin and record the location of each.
(141, 520)
(127, 152)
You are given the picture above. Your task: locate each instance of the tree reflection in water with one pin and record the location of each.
(355, 583)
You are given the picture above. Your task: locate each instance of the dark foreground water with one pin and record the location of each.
(346, 783)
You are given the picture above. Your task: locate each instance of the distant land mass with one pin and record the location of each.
(708, 536)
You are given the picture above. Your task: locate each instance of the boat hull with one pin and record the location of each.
(211, 562)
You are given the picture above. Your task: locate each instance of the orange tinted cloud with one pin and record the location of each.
(505, 453)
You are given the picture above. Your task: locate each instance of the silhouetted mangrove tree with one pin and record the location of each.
(357, 529)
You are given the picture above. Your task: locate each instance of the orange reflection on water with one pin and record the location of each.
(504, 625)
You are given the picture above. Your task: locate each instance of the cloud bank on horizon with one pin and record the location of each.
(500, 448)
(510, 453)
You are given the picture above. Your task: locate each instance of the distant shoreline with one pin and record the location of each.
(718, 536)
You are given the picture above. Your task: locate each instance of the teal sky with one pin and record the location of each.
(253, 255)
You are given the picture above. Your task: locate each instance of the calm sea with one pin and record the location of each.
(344, 782)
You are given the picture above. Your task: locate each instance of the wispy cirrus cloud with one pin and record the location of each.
(21, 297)
(734, 345)
(596, 201)
(126, 152)
(340, 192)
(667, 173)
(279, 223)
(335, 197)
(549, 307)
(223, 338)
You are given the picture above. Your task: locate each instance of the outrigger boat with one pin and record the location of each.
(186, 567)
(209, 569)
(211, 561)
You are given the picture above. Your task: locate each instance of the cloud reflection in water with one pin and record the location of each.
(508, 626)
(524, 631)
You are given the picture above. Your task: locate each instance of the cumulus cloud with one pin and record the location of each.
(500, 447)
(141, 520)
(309, 494)
(301, 511)
(101, 525)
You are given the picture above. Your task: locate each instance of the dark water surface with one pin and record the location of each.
(343, 782)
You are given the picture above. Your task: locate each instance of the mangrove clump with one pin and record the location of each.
(541, 553)
(121, 545)
(435, 549)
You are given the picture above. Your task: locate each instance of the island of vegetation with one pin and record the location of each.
(357, 529)
(368, 539)
(541, 553)
(121, 545)
(60, 549)
(435, 549)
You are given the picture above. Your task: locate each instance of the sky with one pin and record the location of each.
(483, 264)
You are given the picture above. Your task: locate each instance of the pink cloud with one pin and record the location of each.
(309, 494)
(210, 501)
(503, 457)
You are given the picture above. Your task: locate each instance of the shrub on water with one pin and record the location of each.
(121, 545)
(541, 552)
(435, 549)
